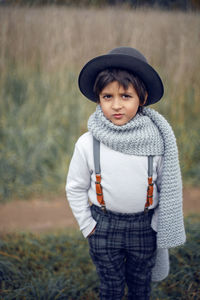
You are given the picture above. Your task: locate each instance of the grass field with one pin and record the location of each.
(42, 112)
(58, 266)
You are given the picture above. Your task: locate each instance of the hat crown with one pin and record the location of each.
(130, 52)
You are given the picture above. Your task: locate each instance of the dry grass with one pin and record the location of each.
(43, 49)
(55, 39)
(63, 37)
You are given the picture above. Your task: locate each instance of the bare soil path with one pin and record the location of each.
(44, 214)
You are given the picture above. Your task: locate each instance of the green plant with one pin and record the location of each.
(58, 266)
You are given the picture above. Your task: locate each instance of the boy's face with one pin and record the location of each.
(119, 105)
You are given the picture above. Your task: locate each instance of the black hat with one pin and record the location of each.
(125, 58)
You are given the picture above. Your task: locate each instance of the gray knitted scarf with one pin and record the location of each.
(148, 133)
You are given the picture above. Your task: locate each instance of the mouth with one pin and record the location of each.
(118, 116)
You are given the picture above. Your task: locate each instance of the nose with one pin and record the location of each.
(116, 103)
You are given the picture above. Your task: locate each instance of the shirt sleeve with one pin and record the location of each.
(77, 185)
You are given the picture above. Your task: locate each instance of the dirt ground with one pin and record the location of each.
(47, 214)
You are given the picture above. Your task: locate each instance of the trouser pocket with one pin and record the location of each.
(97, 240)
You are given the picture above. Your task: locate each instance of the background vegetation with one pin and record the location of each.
(57, 266)
(42, 112)
(166, 4)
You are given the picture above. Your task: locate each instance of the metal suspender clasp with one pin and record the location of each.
(103, 208)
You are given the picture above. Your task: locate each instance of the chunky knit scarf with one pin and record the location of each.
(148, 133)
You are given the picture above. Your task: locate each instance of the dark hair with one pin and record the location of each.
(125, 78)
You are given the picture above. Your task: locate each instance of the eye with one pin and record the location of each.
(126, 96)
(107, 97)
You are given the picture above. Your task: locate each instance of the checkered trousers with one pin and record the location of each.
(123, 249)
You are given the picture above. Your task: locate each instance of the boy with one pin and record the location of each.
(136, 211)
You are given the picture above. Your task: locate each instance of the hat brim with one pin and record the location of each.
(142, 69)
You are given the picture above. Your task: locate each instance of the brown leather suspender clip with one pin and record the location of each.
(99, 192)
(149, 200)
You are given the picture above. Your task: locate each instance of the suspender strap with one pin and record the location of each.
(150, 166)
(96, 151)
(99, 191)
(149, 200)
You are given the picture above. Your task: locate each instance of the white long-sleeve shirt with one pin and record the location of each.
(124, 182)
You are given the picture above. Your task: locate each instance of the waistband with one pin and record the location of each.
(125, 216)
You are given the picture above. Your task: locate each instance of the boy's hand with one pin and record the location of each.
(93, 230)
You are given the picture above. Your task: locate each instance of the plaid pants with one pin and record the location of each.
(123, 249)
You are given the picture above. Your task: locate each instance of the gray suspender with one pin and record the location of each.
(150, 166)
(96, 153)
